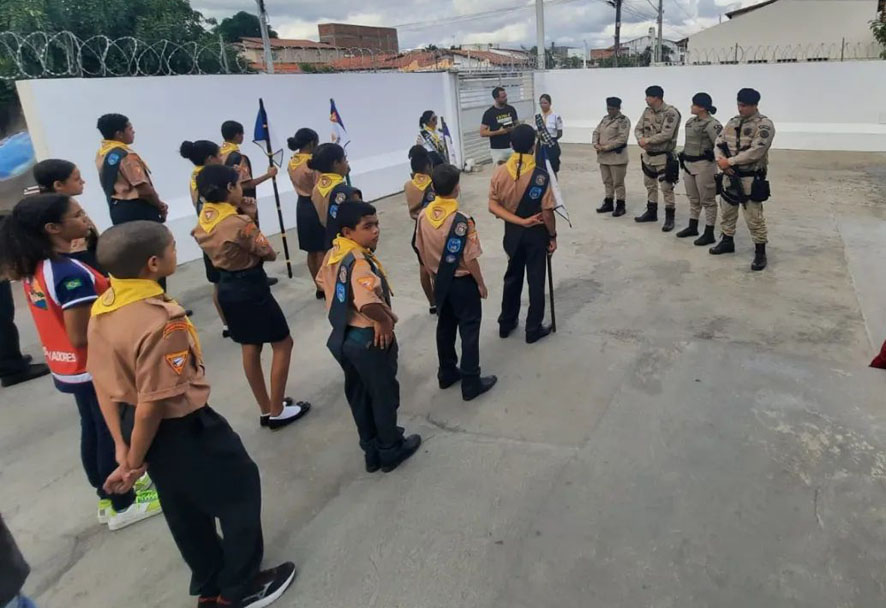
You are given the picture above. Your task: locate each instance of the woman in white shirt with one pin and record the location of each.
(549, 125)
(430, 139)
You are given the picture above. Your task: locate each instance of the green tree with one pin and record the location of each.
(241, 25)
(878, 27)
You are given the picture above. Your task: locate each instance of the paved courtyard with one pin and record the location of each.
(695, 434)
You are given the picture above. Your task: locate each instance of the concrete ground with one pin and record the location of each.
(694, 435)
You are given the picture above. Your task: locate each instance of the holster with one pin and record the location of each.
(672, 170)
(760, 190)
(649, 171)
(732, 193)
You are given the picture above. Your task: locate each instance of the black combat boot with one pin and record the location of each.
(606, 207)
(707, 238)
(726, 245)
(690, 230)
(619, 208)
(391, 458)
(669, 220)
(759, 262)
(650, 215)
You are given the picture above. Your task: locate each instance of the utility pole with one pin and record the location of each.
(617, 30)
(585, 61)
(540, 32)
(265, 38)
(658, 55)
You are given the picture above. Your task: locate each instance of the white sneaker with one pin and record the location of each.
(290, 414)
(147, 504)
(104, 510)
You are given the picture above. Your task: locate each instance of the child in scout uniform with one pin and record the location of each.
(237, 249)
(419, 192)
(35, 245)
(311, 233)
(145, 357)
(331, 190)
(449, 247)
(358, 298)
(520, 195)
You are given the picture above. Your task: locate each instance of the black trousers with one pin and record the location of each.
(130, 211)
(461, 311)
(529, 256)
(11, 360)
(372, 389)
(202, 472)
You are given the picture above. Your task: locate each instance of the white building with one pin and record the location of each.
(638, 45)
(776, 31)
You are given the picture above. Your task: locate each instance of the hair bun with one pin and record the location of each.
(186, 149)
(712, 110)
(293, 143)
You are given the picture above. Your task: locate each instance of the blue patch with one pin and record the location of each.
(333, 211)
(113, 159)
(535, 193)
(453, 245)
(340, 292)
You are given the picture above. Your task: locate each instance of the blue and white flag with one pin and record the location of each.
(560, 209)
(339, 133)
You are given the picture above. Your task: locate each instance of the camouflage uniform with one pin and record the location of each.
(660, 128)
(700, 168)
(612, 133)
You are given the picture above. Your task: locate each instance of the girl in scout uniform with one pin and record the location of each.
(419, 191)
(35, 245)
(310, 231)
(430, 139)
(237, 249)
(331, 190)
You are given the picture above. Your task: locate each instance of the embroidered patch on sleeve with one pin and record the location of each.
(174, 326)
(367, 283)
(177, 361)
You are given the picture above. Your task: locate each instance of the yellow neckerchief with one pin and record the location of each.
(342, 246)
(433, 133)
(421, 180)
(213, 213)
(110, 144)
(298, 160)
(439, 209)
(226, 148)
(194, 175)
(123, 292)
(327, 182)
(526, 166)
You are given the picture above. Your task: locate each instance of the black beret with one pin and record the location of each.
(613, 102)
(655, 91)
(702, 100)
(749, 97)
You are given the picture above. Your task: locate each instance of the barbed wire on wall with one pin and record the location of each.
(784, 53)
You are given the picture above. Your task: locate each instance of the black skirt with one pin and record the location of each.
(211, 271)
(252, 313)
(311, 234)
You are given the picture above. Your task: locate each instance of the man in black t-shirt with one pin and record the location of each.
(498, 122)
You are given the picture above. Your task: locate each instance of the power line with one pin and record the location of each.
(679, 5)
(415, 25)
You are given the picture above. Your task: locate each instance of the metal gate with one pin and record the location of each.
(475, 97)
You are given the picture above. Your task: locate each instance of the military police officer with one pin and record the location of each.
(657, 135)
(742, 153)
(610, 140)
(700, 170)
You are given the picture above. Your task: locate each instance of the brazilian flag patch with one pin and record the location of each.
(72, 284)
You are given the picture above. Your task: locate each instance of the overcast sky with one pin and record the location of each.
(567, 22)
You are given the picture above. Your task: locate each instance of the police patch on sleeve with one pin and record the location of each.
(748, 131)
(453, 245)
(764, 133)
(718, 128)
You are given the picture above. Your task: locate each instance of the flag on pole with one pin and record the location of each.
(339, 133)
(560, 209)
(447, 141)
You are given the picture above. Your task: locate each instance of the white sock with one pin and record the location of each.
(288, 412)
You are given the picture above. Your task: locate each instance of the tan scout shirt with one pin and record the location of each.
(365, 289)
(414, 198)
(431, 242)
(612, 133)
(660, 129)
(321, 204)
(304, 180)
(133, 173)
(701, 135)
(235, 244)
(145, 352)
(749, 140)
(508, 193)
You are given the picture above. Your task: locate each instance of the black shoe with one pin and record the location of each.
(263, 420)
(432, 310)
(690, 230)
(27, 359)
(34, 370)
(391, 458)
(291, 412)
(477, 386)
(606, 207)
(505, 330)
(726, 245)
(759, 262)
(705, 239)
(669, 220)
(650, 215)
(319, 295)
(226, 333)
(619, 209)
(272, 281)
(448, 379)
(372, 460)
(266, 588)
(189, 312)
(537, 334)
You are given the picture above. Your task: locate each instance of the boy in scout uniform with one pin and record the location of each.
(449, 248)
(519, 194)
(358, 299)
(657, 134)
(419, 192)
(610, 140)
(700, 170)
(147, 366)
(742, 153)
(124, 176)
(231, 156)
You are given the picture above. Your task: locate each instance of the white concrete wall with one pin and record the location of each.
(380, 111)
(815, 106)
(789, 23)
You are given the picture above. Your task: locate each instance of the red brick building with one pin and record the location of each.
(345, 35)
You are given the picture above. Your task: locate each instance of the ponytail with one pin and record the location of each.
(420, 160)
(23, 239)
(198, 152)
(303, 137)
